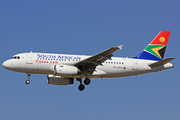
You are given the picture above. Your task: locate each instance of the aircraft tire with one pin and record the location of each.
(27, 81)
(81, 87)
(87, 81)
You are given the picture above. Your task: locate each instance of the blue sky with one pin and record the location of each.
(89, 27)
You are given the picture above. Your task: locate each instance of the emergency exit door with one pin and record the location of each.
(29, 58)
(134, 65)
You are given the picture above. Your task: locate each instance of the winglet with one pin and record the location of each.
(120, 47)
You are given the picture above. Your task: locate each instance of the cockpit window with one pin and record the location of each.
(15, 57)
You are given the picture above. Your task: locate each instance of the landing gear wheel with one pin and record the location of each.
(81, 87)
(27, 82)
(28, 76)
(87, 81)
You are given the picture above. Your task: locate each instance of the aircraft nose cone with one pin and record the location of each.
(5, 64)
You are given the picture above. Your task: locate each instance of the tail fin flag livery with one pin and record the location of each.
(156, 48)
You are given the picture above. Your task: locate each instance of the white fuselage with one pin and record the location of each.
(43, 63)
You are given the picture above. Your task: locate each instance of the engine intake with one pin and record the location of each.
(58, 80)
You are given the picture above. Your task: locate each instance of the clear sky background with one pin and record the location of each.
(87, 28)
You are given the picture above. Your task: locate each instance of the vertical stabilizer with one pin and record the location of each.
(156, 48)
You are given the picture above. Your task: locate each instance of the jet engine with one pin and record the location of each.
(65, 70)
(58, 80)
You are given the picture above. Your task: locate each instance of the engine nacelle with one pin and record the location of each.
(65, 70)
(58, 80)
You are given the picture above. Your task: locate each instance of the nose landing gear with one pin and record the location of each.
(28, 76)
(27, 81)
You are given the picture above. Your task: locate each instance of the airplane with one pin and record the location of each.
(62, 69)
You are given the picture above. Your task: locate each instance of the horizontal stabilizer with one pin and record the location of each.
(162, 62)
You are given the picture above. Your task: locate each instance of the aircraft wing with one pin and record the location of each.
(93, 61)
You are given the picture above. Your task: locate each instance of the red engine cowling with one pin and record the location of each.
(58, 80)
(65, 70)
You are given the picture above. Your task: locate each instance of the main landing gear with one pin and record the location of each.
(81, 87)
(87, 81)
(28, 76)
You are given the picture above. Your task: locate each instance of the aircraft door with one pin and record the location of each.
(134, 64)
(29, 58)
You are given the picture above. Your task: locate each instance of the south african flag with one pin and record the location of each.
(156, 49)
